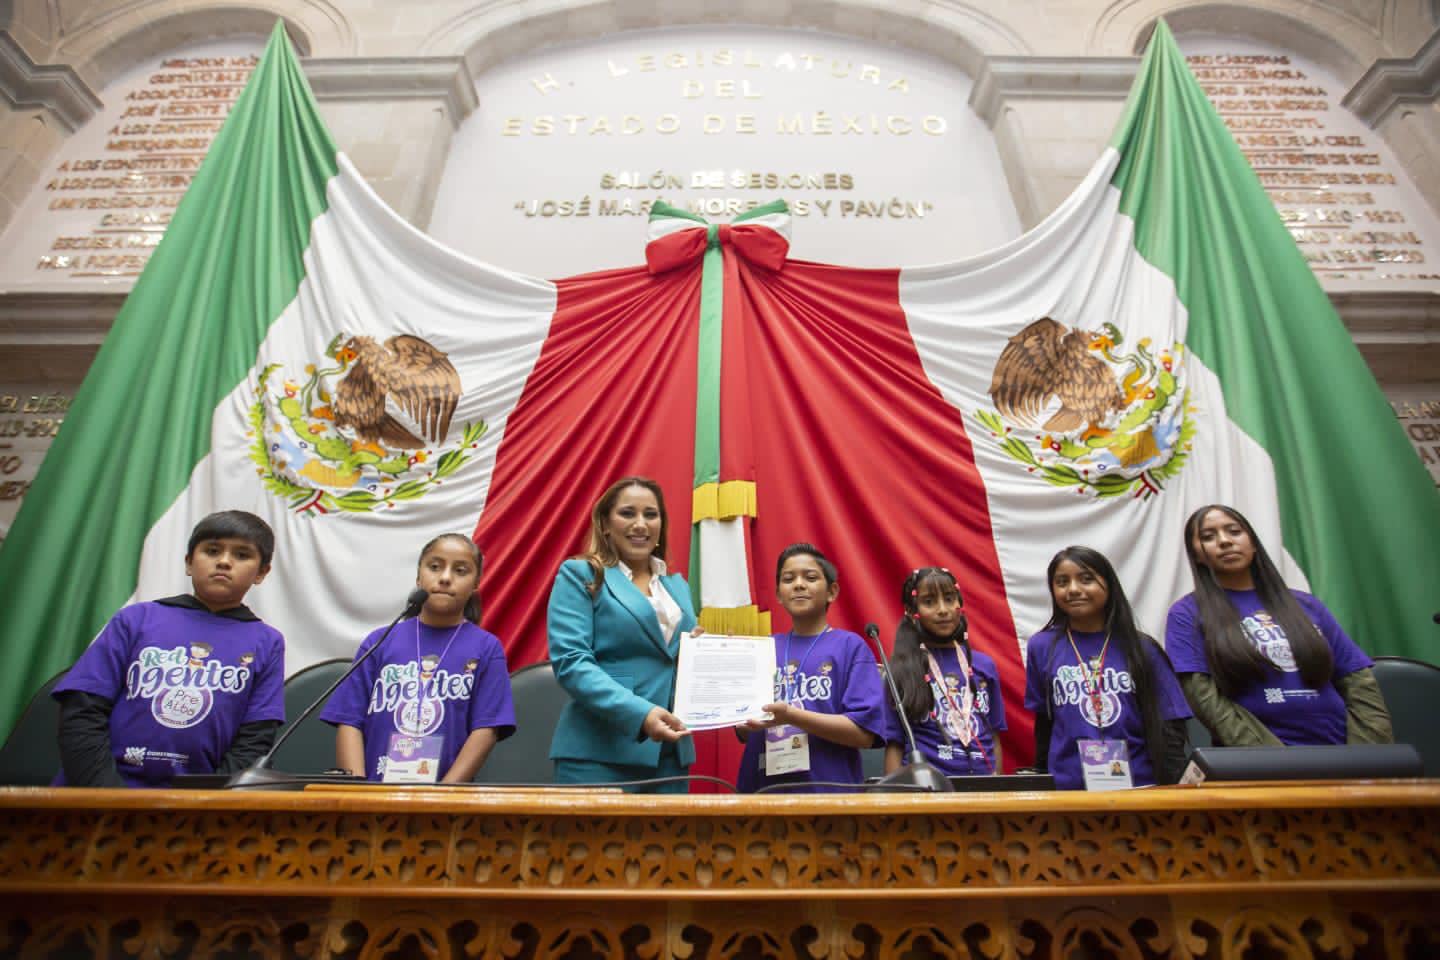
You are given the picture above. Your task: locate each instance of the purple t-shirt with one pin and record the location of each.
(946, 753)
(834, 672)
(1292, 711)
(183, 681)
(426, 681)
(1054, 682)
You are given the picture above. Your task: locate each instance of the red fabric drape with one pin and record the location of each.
(853, 449)
(857, 452)
(612, 393)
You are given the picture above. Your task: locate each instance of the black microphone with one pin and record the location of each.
(259, 774)
(919, 772)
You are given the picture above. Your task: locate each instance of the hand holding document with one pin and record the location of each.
(724, 681)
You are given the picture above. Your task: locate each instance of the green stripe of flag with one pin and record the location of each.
(1358, 511)
(707, 375)
(230, 262)
(707, 392)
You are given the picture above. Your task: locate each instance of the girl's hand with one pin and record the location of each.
(663, 726)
(697, 631)
(780, 714)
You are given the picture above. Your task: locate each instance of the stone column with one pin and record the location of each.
(1052, 117)
(40, 105)
(1400, 99)
(394, 117)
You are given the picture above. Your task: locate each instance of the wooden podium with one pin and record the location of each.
(1342, 871)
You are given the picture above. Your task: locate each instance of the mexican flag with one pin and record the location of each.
(297, 350)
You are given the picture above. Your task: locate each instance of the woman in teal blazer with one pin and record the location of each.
(614, 622)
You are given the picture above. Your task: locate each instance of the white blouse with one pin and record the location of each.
(667, 611)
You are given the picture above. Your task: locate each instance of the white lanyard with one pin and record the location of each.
(420, 681)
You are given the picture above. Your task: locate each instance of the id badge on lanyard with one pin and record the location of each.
(412, 756)
(958, 716)
(787, 748)
(412, 759)
(1106, 764)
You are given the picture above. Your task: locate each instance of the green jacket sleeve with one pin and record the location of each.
(1367, 720)
(1229, 723)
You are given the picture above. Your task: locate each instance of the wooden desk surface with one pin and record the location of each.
(1199, 871)
(1259, 795)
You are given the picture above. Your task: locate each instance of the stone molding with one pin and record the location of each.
(53, 337)
(1397, 332)
(1002, 79)
(55, 88)
(1389, 83)
(1411, 317)
(396, 78)
(56, 334)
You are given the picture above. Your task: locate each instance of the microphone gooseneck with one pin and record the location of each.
(919, 772)
(259, 774)
(414, 603)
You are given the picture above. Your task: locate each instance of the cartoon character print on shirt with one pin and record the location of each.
(181, 682)
(1073, 686)
(415, 693)
(1269, 638)
(948, 719)
(813, 687)
(800, 688)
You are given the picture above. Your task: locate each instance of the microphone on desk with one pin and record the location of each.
(918, 772)
(259, 774)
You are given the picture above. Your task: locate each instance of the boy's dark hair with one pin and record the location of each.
(1121, 628)
(1235, 662)
(808, 550)
(234, 525)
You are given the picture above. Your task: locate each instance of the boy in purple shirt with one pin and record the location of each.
(188, 684)
(829, 703)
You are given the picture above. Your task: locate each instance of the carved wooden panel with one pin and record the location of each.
(1328, 873)
(1296, 927)
(737, 850)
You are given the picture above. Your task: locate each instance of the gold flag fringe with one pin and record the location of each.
(722, 501)
(748, 621)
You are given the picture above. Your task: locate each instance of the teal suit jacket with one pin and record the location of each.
(609, 656)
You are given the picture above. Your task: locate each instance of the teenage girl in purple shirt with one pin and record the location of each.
(1261, 664)
(1090, 674)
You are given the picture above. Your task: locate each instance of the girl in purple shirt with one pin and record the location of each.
(1092, 675)
(950, 694)
(437, 675)
(1261, 664)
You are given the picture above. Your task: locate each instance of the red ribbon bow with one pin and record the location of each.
(761, 245)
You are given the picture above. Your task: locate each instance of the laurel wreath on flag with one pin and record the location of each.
(1065, 463)
(368, 480)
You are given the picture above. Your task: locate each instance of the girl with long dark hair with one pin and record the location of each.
(1091, 677)
(949, 692)
(1260, 663)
